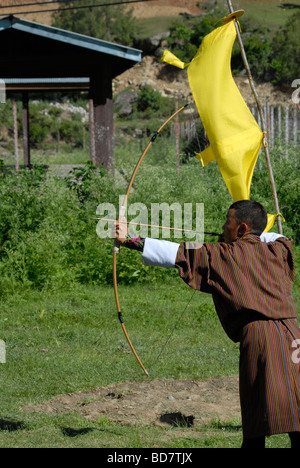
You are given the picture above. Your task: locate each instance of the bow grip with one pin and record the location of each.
(116, 248)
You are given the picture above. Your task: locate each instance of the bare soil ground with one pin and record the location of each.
(166, 8)
(161, 403)
(173, 82)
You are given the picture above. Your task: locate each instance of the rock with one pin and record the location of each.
(150, 44)
(171, 398)
(124, 101)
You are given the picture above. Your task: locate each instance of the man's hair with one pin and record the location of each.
(252, 213)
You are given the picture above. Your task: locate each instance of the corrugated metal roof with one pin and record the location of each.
(72, 38)
(44, 80)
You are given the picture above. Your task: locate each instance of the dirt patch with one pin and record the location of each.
(162, 403)
(166, 8)
(16, 7)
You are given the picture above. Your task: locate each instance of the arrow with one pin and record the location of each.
(160, 227)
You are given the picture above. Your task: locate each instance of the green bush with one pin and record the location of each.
(258, 50)
(151, 104)
(48, 125)
(71, 132)
(287, 186)
(286, 51)
(186, 37)
(48, 237)
(148, 98)
(40, 125)
(276, 57)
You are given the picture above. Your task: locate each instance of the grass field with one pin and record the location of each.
(265, 12)
(66, 341)
(63, 340)
(268, 13)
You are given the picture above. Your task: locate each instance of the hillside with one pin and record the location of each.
(15, 8)
(171, 82)
(155, 8)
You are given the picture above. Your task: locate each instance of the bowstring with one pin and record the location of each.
(194, 292)
(215, 209)
(172, 331)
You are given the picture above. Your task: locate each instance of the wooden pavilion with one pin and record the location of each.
(36, 57)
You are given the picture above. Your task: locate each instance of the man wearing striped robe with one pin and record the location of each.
(250, 275)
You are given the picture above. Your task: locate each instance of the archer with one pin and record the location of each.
(250, 275)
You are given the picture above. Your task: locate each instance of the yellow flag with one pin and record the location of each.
(234, 135)
(271, 221)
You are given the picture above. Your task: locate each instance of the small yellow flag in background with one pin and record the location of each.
(234, 135)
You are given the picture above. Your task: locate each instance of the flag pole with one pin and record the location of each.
(265, 143)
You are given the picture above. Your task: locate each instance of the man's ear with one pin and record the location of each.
(243, 229)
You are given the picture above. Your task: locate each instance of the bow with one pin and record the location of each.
(116, 248)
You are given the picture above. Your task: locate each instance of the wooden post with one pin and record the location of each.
(92, 132)
(26, 134)
(272, 125)
(287, 133)
(265, 143)
(16, 139)
(177, 136)
(268, 119)
(83, 137)
(58, 141)
(295, 125)
(101, 93)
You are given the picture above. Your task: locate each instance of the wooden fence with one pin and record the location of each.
(282, 125)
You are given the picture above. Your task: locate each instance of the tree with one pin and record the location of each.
(110, 23)
(286, 51)
(186, 37)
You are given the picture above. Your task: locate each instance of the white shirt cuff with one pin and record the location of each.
(160, 253)
(270, 236)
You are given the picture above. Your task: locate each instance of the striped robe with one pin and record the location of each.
(251, 285)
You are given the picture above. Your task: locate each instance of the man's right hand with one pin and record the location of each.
(121, 230)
